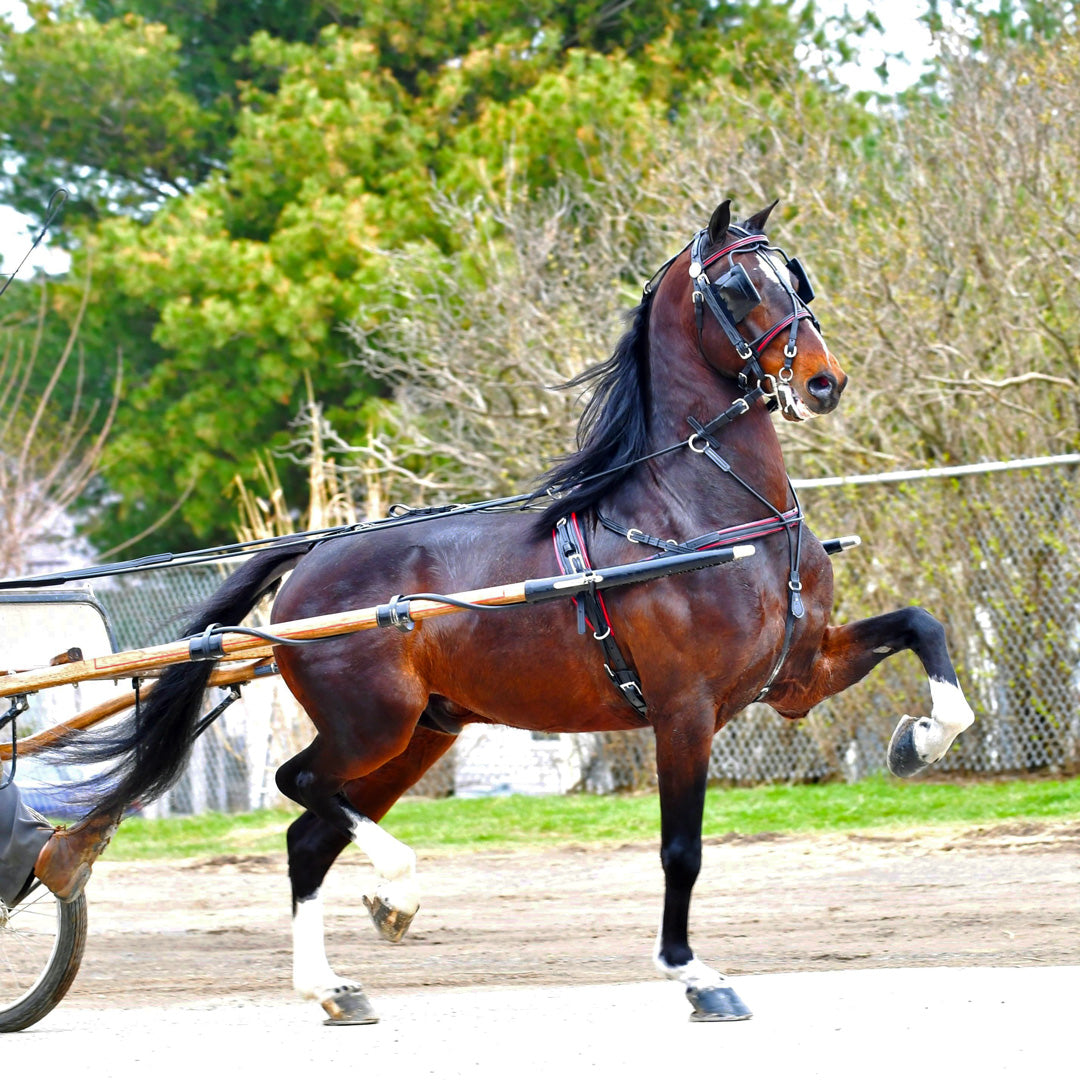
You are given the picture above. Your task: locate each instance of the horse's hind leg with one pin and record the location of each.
(314, 845)
(849, 652)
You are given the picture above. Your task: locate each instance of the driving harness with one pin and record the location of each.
(730, 299)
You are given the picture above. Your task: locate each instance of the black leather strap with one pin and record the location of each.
(574, 559)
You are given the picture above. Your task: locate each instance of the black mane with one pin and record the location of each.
(613, 428)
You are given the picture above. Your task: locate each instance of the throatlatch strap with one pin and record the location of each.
(591, 610)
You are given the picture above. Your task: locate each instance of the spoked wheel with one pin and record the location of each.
(41, 947)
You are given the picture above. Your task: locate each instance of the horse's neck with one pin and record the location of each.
(691, 490)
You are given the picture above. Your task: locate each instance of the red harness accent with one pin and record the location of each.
(746, 241)
(567, 567)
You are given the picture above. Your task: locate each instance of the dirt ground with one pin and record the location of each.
(192, 930)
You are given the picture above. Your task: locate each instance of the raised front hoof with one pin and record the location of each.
(904, 760)
(392, 923)
(347, 1008)
(717, 1003)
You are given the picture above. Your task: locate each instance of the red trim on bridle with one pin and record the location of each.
(763, 341)
(746, 241)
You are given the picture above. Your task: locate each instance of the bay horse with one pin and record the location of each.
(677, 451)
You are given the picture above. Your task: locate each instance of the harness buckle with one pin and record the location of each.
(630, 686)
(696, 449)
(635, 536)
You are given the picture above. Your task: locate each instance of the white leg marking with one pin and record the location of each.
(313, 977)
(696, 975)
(391, 858)
(950, 715)
(394, 862)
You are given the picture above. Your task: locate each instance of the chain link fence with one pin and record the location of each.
(993, 551)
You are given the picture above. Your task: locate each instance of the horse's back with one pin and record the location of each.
(523, 666)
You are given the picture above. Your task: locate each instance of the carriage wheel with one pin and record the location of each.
(41, 946)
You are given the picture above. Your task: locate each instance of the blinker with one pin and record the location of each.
(737, 292)
(803, 289)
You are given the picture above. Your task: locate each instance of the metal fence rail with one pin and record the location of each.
(992, 550)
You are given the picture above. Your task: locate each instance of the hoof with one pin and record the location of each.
(349, 1007)
(717, 1003)
(904, 760)
(389, 921)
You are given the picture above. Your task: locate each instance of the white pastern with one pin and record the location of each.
(950, 715)
(696, 975)
(313, 977)
(393, 861)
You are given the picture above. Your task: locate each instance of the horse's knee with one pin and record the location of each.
(681, 860)
(288, 779)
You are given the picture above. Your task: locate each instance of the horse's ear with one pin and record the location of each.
(719, 222)
(756, 224)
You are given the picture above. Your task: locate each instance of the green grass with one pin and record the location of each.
(520, 821)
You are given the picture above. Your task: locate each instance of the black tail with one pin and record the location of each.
(150, 748)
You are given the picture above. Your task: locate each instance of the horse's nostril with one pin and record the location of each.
(821, 386)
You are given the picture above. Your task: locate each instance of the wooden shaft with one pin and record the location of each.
(227, 676)
(242, 645)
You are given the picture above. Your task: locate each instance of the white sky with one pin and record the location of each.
(904, 34)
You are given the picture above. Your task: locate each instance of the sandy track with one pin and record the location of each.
(188, 931)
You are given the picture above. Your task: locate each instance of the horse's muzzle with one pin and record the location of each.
(823, 391)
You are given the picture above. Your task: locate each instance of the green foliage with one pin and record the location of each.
(253, 177)
(100, 105)
(1024, 21)
(247, 172)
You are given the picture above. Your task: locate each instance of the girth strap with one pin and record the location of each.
(574, 559)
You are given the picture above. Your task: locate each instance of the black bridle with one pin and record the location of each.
(731, 298)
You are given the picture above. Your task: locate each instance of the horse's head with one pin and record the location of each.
(761, 330)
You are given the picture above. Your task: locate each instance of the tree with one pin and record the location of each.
(98, 106)
(283, 152)
(48, 455)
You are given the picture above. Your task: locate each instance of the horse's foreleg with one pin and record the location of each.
(682, 761)
(849, 652)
